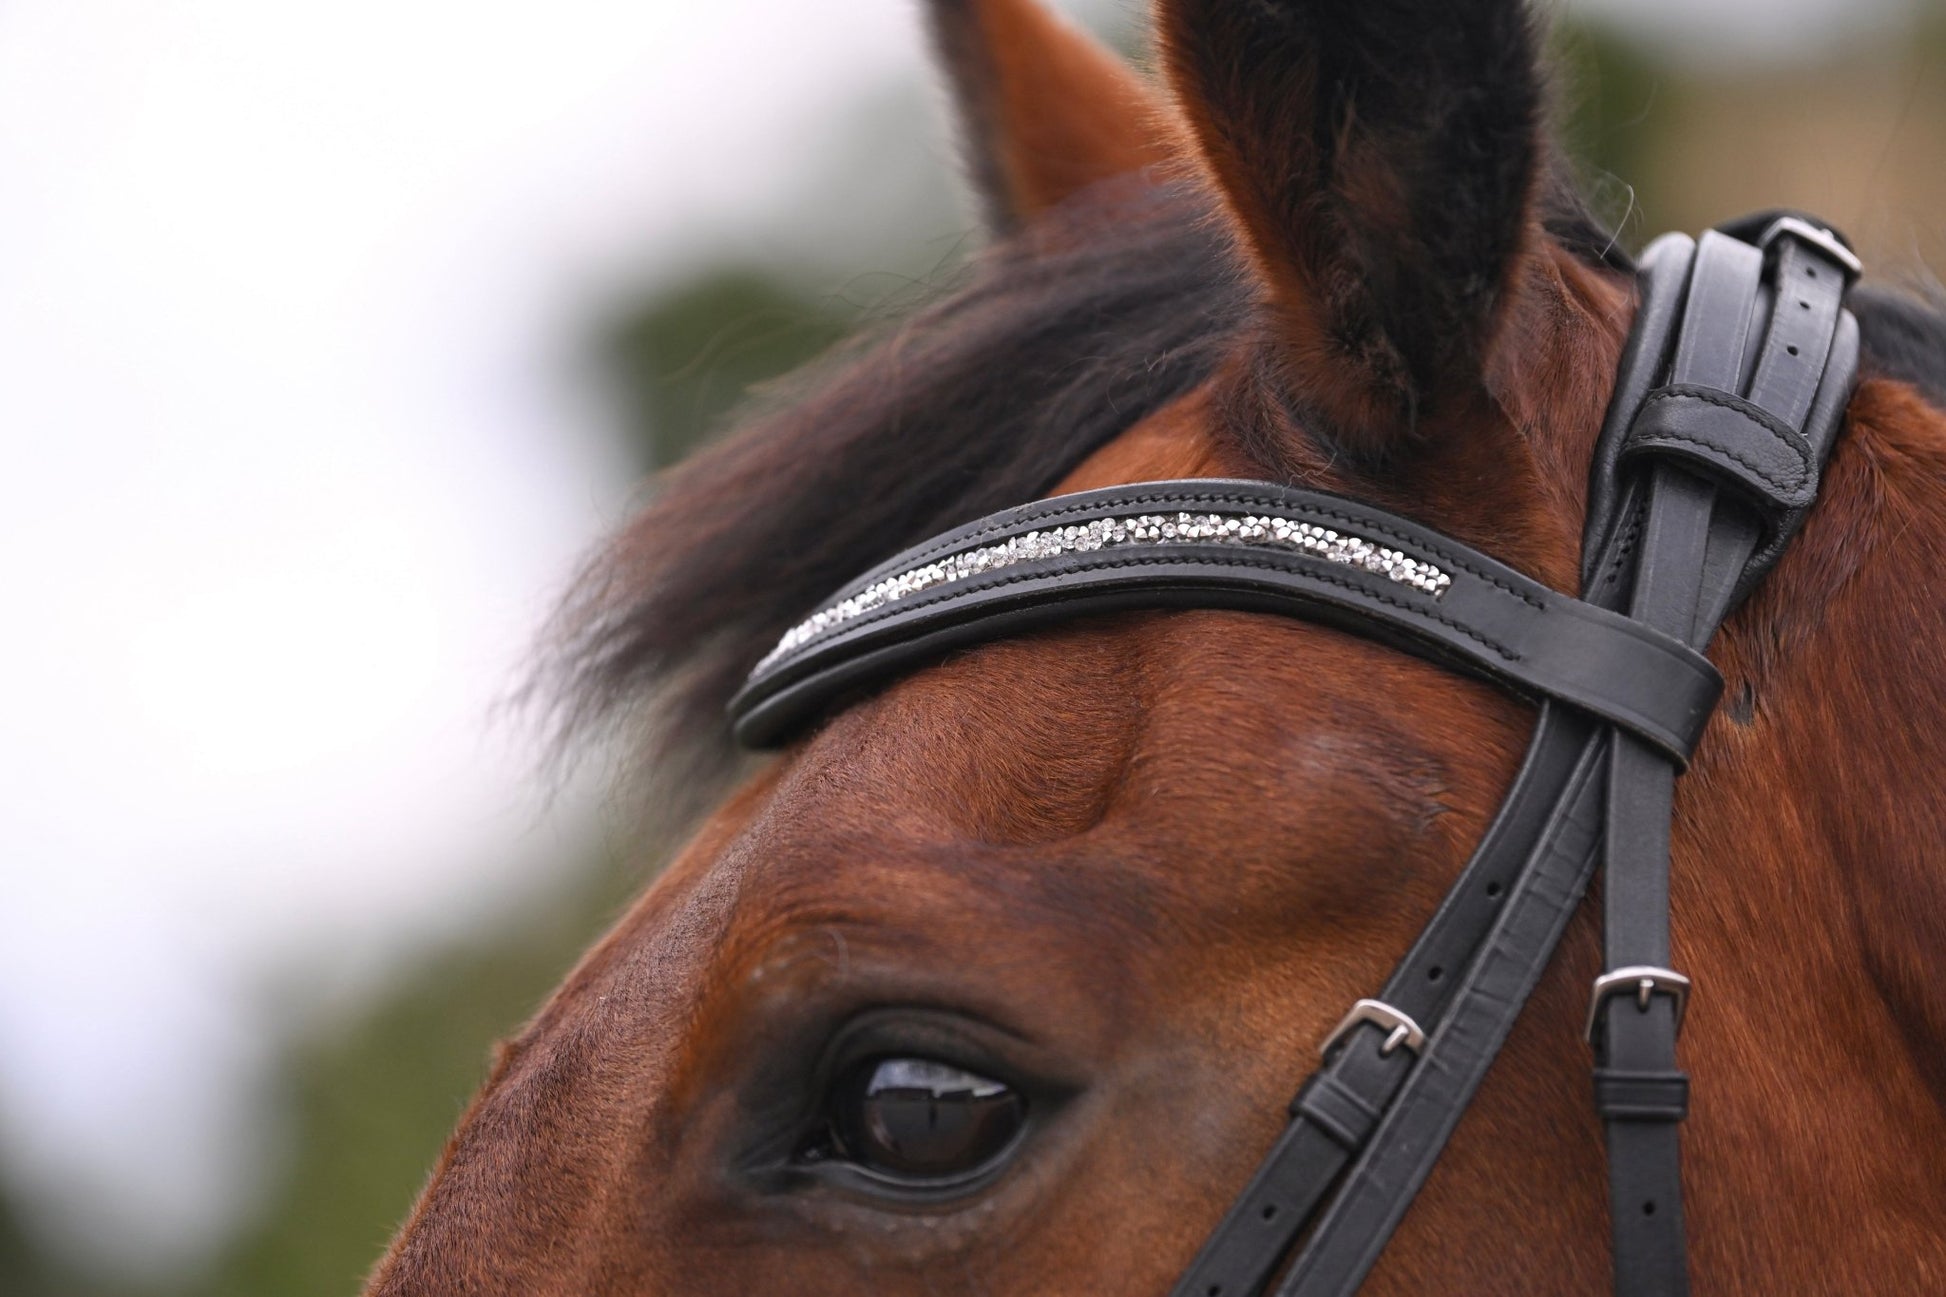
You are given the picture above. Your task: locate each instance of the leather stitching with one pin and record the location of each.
(1624, 550)
(1662, 438)
(1749, 413)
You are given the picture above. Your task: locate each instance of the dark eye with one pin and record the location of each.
(918, 1117)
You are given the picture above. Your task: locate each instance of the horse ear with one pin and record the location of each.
(1045, 109)
(1379, 159)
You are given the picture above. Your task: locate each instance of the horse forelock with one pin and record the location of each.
(1049, 344)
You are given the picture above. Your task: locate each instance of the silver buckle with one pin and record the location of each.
(1404, 1031)
(1644, 981)
(1817, 237)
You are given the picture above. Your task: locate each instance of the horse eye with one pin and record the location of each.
(918, 1117)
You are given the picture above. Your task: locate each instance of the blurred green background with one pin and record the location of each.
(1667, 141)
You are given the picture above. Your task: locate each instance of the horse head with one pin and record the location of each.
(998, 980)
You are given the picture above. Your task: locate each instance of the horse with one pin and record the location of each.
(1106, 884)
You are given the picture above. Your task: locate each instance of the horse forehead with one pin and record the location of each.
(1198, 765)
(1153, 723)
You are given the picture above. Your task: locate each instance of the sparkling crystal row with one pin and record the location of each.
(1120, 533)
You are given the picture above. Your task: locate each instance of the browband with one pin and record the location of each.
(1731, 393)
(1229, 544)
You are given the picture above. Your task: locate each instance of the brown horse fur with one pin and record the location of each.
(1138, 864)
(1045, 110)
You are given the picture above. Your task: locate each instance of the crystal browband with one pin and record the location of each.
(1248, 546)
(1113, 533)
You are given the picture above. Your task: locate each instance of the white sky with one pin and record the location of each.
(294, 459)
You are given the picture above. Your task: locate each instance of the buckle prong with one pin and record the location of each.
(1402, 1029)
(1644, 981)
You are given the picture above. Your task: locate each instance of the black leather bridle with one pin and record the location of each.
(1731, 391)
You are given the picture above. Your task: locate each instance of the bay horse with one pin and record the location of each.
(1106, 885)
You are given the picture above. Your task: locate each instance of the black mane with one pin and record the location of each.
(1902, 333)
(1056, 341)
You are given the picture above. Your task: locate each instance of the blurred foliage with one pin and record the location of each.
(370, 1102)
(1853, 137)
(1606, 90)
(26, 1271)
(681, 362)
(370, 1105)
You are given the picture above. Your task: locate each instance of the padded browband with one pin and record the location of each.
(1254, 546)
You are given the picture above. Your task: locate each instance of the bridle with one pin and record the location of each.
(1730, 393)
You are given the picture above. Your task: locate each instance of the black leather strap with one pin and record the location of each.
(1662, 290)
(1645, 1182)
(1637, 1041)
(1503, 957)
(1721, 435)
(1733, 444)
(1770, 450)
(1482, 615)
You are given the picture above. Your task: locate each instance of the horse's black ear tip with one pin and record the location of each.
(1382, 164)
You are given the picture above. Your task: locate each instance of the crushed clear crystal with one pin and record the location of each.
(1115, 533)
